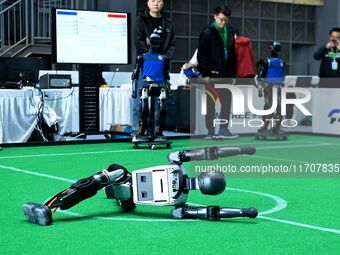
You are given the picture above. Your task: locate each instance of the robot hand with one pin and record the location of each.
(258, 85)
(134, 94)
(168, 88)
(135, 75)
(134, 89)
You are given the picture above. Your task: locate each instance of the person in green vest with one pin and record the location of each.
(217, 59)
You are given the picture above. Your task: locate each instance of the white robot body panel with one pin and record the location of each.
(158, 185)
(165, 185)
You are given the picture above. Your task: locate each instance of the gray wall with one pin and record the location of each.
(302, 60)
(129, 6)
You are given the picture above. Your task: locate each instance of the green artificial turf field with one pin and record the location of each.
(297, 215)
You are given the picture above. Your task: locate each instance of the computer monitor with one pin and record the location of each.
(90, 37)
(303, 81)
(16, 69)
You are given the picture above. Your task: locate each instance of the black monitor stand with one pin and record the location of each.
(89, 82)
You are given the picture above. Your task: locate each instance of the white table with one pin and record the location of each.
(19, 110)
(114, 107)
(18, 115)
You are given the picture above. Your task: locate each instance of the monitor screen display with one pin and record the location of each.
(16, 69)
(90, 37)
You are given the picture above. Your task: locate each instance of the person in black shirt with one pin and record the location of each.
(146, 22)
(217, 59)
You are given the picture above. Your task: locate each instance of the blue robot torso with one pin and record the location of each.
(275, 72)
(153, 67)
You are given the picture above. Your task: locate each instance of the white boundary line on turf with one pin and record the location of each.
(37, 174)
(282, 159)
(336, 231)
(281, 204)
(336, 144)
(69, 154)
(143, 150)
(68, 212)
(293, 146)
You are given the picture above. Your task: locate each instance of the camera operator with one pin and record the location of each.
(329, 54)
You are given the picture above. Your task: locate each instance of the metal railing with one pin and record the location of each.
(42, 22)
(12, 26)
(28, 22)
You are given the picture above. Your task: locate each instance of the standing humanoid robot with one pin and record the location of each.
(155, 73)
(270, 73)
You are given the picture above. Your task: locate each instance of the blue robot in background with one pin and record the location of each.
(270, 75)
(154, 70)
